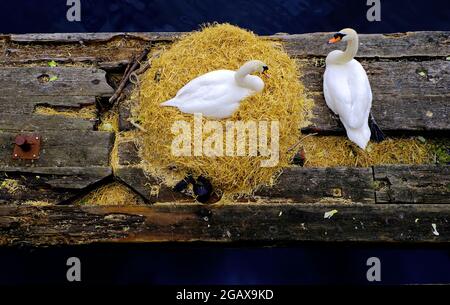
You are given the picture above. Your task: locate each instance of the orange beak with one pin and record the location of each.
(334, 40)
(265, 74)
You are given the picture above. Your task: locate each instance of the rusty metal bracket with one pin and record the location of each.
(27, 147)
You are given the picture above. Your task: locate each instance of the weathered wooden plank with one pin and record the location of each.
(63, 148)
(128, 154)
(51, 185)
(71, 81)
(391, 77)
(73, 156)
(109, 51)
(412, 184)
(150, 188)
(407, 95)
(392, 184)
(294, 185)
(131, 173)
(315, 184)
(93, 37)
(124, 110)
(32, 123)
(85, 173)
(410, 44)
(27, 104)
(268, 223)
(84, 46)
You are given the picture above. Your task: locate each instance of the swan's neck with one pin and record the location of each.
(245, 80)
(350, 51)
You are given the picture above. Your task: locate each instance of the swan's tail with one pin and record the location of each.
(376, 134)
(170, 103)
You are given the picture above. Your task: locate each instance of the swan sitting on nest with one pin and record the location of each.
(217, 94)
(347, 91)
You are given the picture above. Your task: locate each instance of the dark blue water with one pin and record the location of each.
(183, 265)
(218, 265)
(261, 16)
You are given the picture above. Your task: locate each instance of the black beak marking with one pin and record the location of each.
(265, 68)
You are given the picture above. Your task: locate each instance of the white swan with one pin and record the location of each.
(347, 91)
(217, 94)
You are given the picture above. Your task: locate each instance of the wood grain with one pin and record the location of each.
(267, 223)
(71, 81)
(413, 184)
(51, 185)
(294, 185)
(73, 155)
(63, 148)
(410, 44)
(93, 37)
(403, 99)
(314, 184)
(27, 104)
(150, 188)
(19, 123)
(396, 45)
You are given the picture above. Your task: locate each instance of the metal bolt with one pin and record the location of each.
(21, 140)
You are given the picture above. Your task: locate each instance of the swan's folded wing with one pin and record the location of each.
(209, 84)
(336, 90)
(204, 95)
(360, 91)
(347, 91)
(328, 98)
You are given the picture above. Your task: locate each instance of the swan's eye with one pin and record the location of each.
(339, 36)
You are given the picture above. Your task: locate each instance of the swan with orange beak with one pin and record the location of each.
(347, 91)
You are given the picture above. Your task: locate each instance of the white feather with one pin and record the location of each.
(348, 94)
(216, 94)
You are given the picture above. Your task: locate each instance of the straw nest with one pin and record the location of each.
(219, 47)
(334, 151)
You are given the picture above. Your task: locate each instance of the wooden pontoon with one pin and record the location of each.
(410, 76)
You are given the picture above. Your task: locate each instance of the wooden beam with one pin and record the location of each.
(84, 46)
(150, 188)
(73, 156)
(300, 184)
(397, 45)
(381, 184)
(410, 44)
(93, 37)
(412, 184)
(63, 148)
(407, 96)
(68, 81)
(268, 223)
(296, 184)
(27, 104)
(34, 123)
(52, 185)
